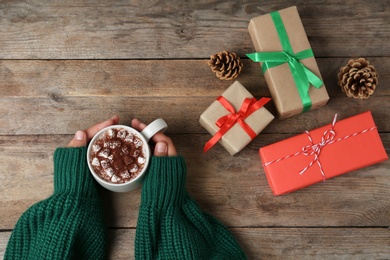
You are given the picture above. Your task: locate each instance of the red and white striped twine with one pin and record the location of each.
(315, 149)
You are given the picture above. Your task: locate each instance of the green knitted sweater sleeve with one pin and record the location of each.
(170, 223)
(67, 225)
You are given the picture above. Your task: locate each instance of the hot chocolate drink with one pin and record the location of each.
(118, 155)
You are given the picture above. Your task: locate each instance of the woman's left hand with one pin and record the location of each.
(82, 137)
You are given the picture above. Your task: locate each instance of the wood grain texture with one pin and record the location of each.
(4, 237)
(66, 65)
(68, 95)
(232, 188)
(279, 243)
(180, 29)
(61, 79)
(19, 116)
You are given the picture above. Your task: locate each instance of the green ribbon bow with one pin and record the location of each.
(303, 77)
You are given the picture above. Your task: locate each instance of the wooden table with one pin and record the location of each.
(65, 65)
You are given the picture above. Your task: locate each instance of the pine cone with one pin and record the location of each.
(226, 65)
(358, 78)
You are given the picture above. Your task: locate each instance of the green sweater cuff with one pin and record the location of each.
(71, 173)
(164, 184)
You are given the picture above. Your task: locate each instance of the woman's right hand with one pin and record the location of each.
(164, 145)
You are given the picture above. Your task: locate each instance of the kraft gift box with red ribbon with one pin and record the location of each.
(235, 118)
(287, 62)
(323, 153)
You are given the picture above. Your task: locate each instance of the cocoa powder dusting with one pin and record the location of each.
(117, 156)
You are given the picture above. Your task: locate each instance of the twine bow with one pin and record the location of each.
(225, 123)
(303, 77)
(315, 149)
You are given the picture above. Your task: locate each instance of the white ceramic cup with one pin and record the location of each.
(158, 125)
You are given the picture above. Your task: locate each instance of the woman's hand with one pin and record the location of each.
(82, 137)
(164, 145)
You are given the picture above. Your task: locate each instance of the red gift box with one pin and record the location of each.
(322, 153)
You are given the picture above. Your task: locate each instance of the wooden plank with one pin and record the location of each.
(62, 94)
(315, 243)
(60, 79)
(278, 243)
(4, 237)
(52, 115)
(232, 188)
(179, 29)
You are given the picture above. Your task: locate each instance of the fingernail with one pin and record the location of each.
(161, 147)
(79, 135)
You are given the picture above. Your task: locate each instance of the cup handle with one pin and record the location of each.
(158, 125)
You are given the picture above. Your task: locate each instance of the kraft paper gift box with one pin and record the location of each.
(287, 61)
(323, 153)
(235, 118)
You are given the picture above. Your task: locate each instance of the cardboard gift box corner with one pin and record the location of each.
(235, 139)
(322, 153)
(280, 80)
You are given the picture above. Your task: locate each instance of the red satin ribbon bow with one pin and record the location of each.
(226, 122)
